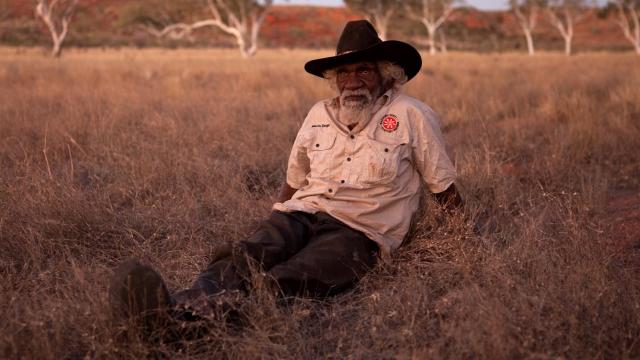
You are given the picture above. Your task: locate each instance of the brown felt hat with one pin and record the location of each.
(360, 42)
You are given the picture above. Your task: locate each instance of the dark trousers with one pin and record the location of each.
(304, 254)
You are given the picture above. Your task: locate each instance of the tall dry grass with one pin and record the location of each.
(160, 155)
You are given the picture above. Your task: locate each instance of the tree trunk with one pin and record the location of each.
(443, 42)
(250, 50)
(56, 51)
(527, 34)
(243, 46)
(380, 23)
(253, 38)
(631, 32)
(382, 33)
(633, 38)
(431, 39)
(567, 45)
(44, 11)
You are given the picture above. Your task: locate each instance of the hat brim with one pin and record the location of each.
(397, 52)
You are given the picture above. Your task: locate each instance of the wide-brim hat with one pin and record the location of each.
(360, 42)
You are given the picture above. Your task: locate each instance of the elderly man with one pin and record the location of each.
(353, 184)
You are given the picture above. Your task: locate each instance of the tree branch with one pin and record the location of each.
(44, 10)
(242, 22)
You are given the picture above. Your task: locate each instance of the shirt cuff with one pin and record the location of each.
(441, 186)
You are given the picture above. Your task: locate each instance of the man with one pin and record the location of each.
(352, 187)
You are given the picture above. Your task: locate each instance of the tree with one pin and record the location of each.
(379, 12)
(628, 20)
(241, 19)
(526, 12)
(57, 22)
(564, 14)
(432, 14)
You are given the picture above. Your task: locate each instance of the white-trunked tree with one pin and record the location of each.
(526, 12)
(241, 19)
(432, 14)
(629, 21)
(564, 15)
(379, 12)
(56, 15)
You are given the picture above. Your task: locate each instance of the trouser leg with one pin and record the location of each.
(277, 239)
(333, 260)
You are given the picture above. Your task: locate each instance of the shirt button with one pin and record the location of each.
(348, 159)
(341, 181)
(317, 145)
(386, 150)
(351, 136)
(330, 190)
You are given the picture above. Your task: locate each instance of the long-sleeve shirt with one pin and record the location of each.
(369, 177)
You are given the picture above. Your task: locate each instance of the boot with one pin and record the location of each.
(196, 305)
(138, 294)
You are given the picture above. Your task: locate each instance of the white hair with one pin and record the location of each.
(393, 76)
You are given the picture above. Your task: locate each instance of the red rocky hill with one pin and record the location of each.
(100, 23)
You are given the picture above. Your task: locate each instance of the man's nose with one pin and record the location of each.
(352, 82)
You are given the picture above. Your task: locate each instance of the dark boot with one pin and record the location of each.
(196, 305)
(138, 294)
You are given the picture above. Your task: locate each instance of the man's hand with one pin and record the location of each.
(449, 199)
(451, 202)
(286, 192)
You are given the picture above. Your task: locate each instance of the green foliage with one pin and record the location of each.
(117, 23)
(160, 12)
(434, 7)
(5, 10)
(366, 6)
(244, 6)
(605, 11)
(569, 4)
(526, 4)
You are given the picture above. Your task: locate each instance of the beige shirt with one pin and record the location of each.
(369, 177)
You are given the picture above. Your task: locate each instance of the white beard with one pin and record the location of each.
(355, 106)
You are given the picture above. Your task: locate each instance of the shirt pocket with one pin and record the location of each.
(382, 161)
(320, 151)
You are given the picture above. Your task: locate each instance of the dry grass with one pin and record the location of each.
(160, 155)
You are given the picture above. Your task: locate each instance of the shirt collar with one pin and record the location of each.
(385, 99)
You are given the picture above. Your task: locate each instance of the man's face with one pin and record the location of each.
(359, 84)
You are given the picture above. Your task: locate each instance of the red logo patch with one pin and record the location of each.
(389, 123)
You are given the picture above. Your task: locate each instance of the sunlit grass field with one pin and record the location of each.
(162, 154)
